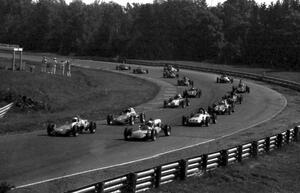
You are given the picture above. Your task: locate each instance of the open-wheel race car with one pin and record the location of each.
(224, 79)
(233, 98)
(223, 107)
(192, 93)
(170, 74)
(176, 101)
(150, 130)
(185, 81)
(77, 126)
(171, 68)
(199, 119)
(128, 116)
(123, 67)
(140, 70)
(241, 88)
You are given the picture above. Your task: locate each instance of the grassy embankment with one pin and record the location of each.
(88, 93)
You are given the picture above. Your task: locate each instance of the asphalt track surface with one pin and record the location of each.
(35, 157)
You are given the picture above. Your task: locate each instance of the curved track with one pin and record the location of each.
(33, 157)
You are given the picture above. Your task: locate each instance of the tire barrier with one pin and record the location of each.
(181, 169)
(4, 110)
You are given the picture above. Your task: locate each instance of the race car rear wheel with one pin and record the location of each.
(92, 127)
(167, 130)
(74, 131)
(153, 135)
(127, 134)
(50, 129)
(109, 119)
(184, 120)
(207, 122)
(131, 120)
(183, 104)
(165, 104)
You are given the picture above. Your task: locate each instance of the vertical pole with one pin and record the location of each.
(183, 169)
(287, 136)
(131, 183)
(279, 140)
(240, 153)
(157, 177)
(254, 149)
(14, 60)
(267, 146)
(296, 133)
(99, 188)
(21, 61)
(204, 162)
(224, 158)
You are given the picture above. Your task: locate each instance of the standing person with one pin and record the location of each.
(68, 68)
(63, 63)
(54, 65)
(44, 64)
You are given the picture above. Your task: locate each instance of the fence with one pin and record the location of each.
(181, 169)
(4, 109)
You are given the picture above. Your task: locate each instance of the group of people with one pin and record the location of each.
(53, 66)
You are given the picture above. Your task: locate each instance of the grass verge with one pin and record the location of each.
(89, 93)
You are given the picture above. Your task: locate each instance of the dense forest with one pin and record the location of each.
(235, 32)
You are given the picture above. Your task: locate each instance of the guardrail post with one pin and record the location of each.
(157, 177)
(183, 169)
(204, 162)
(99, 188)
(287, 136)
(240, 153)
(279, 140)
(131, 183)
(267, 145)
(254, 149)
(223, 161)
(296, 133)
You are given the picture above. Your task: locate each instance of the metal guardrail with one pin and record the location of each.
(4, 109)
(181, 169)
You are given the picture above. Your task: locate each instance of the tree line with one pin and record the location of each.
(234, 32)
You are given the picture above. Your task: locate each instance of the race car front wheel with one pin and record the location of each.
(50, 129)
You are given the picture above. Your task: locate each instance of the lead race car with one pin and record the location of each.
(185, 81)
(150, 130)
(128, 116)
(241, 88)
(224, 79)
(199, 119)
(192, 93)
(176, 101)
(170, 71)
(123, 67)
(77, 125)
(170, 74)
(140, 70)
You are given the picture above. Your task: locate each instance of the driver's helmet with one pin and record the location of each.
(75, 119)
(131, 109)
(201, 111)
(178, 96)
